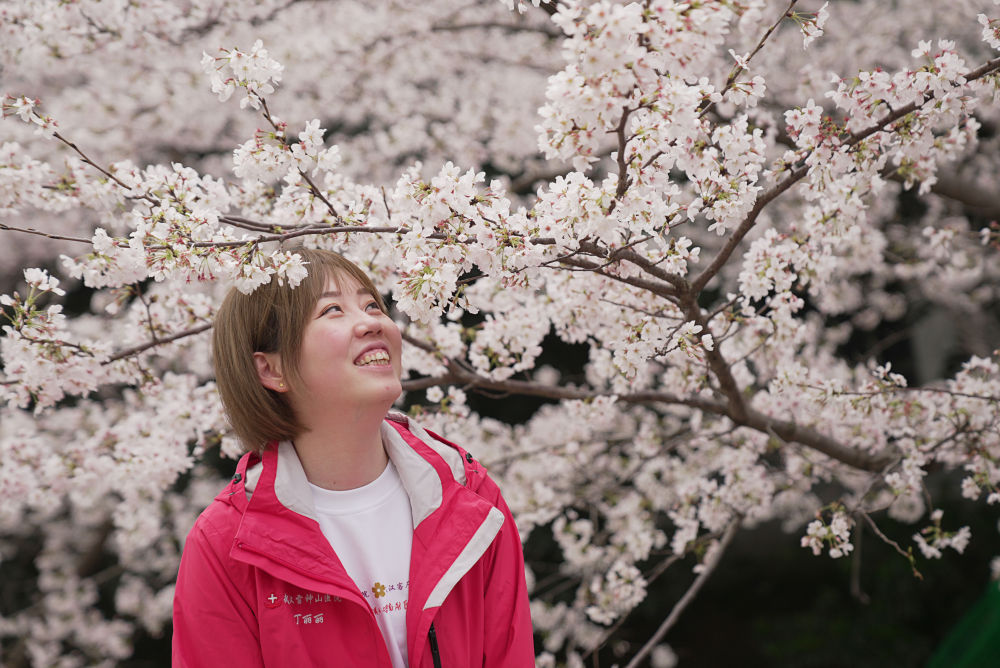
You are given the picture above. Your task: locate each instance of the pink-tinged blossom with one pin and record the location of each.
(991, 30)
(621, 589)
(932, 540)
(21, 107)
(26, 109)
(521, 5)
(811, 24)
(256, 72)
(834, 535)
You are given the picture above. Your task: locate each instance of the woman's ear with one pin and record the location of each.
(269, 371)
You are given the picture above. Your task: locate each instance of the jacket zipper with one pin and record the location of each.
(435, 653)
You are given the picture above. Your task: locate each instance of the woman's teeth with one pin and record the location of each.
(379, 357)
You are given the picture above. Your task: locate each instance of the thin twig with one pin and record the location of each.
(29, 230)
(135, 350)
(246, 223)
(653, 575)
(689, 595)
(314, 189)
(872, 393)
(737, 69)
(893, 544)
(86, 159)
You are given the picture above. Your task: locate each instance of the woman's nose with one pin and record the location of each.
(368, 323)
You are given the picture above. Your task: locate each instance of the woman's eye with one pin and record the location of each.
(332, 308)
(373, 305)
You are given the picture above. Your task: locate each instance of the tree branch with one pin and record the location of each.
(624, 180)
(105, 172)
(135, 350)
(653, 575)
(545, 30)
(302, 232)
(28, 230)
(737, 69)
(689, 595)
(655, 288)
(798, 174)
(247, 224)
(628, 254)
(738, 411)
(787, 431)
(795, 433)
(975, 200)
(893, 544)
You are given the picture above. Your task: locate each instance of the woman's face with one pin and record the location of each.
(350, 353)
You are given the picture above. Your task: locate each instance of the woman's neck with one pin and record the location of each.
(345, 452)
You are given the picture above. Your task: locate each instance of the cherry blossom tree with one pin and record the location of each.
(715, 200)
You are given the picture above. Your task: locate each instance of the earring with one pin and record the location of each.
(281, 385)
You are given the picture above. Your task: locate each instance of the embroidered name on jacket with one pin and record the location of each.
(308, 608)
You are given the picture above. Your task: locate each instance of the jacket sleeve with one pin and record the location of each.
(214, 624)
(509, 641)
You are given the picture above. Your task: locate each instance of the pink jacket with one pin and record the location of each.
(259, 584)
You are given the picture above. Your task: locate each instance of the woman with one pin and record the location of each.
(347, 537)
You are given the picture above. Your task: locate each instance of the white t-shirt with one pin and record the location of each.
(371, 530)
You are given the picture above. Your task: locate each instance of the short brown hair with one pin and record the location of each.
(270, 320)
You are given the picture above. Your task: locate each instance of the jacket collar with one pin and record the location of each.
(453, 525)
(423, 477)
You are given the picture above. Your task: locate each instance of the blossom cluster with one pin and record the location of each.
(835, 535)
(255, 71)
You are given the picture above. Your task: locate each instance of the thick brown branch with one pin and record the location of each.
(623, 178)
(795, 433)
(91, 561)
(423, 345)
(653, 269)
(551, 33)
(974, 200)
(748, 417)
(654, 287)
(416, 384)
(716, 362)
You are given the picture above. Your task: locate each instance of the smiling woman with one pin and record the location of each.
(272, 321)
(346, 532)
